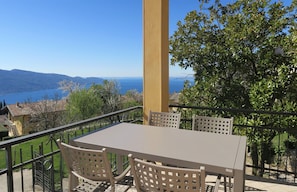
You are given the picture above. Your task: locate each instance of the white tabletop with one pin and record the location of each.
(223, 154)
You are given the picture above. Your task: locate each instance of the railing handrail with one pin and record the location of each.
(236, 110)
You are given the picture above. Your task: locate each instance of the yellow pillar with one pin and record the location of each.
(156, 56)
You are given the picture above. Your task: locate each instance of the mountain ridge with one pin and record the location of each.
(16, 80)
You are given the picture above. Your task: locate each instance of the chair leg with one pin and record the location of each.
(229, 184)
(225, 184)
(218, 182)
(73, 181)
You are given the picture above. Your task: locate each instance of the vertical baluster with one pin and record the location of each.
(42, 167)
(278, 154)
(22, 175)
(61, 168)
(52, 168)
(9, 169)
(33, 169)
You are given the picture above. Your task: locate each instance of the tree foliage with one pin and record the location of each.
(132, 98)
(244, 55)
(93, 101)
(83, 104)
(236, 51)
(109, 92)
(2, 104)
(69, 86)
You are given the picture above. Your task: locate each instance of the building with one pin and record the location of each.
(25, 118)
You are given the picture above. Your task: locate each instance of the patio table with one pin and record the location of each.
(220, 154)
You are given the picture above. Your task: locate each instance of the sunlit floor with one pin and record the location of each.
(251, 184)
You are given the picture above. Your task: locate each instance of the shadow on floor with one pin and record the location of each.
(210, 187)
(261, 179)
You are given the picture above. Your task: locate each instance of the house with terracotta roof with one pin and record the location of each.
(32, 117)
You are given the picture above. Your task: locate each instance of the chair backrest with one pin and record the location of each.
(87, 163)
(149, 176)
(164, 119)
(212, 124)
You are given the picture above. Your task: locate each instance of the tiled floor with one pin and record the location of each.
(251, 185)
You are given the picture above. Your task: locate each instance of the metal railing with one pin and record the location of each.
(271, 151)
(271, 138)
(39, 153)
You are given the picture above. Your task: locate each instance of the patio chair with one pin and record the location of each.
(212, 124)
(216, 125)
(89, 170)
(152, 177)
(164, 119)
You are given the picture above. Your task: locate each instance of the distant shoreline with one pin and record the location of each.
(129, 83)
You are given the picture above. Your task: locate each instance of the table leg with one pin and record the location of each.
(239, 181)
(120, 164)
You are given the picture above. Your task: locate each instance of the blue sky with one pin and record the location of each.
(87, 38)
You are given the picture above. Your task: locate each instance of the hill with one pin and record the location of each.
(15, 81)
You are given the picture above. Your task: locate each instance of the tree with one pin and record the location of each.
(69, 86)
(96, 100)
(132, 98)
(243, 55)
(83, 104)
(2, 104)
(109, 92)
(47, 113)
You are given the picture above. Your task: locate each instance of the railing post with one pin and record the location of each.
(9, 169)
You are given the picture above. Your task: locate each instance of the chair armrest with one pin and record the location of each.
(123, 174)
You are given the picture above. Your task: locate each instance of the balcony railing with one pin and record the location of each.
(271, 143)
(272, 138)
(39, 153)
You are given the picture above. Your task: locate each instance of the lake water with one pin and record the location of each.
(125, 84)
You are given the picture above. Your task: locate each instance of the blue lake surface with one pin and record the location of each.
(132, 83)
